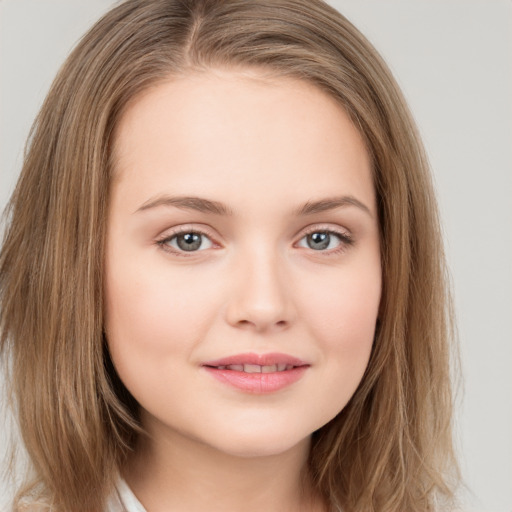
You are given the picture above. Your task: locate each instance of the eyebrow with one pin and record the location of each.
(188, 203)
(331, 203)
(208, 206)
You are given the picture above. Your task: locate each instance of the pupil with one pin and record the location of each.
(319, 241)
(189, 241)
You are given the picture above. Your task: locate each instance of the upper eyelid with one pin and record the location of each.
(186, 228)
(325, 227)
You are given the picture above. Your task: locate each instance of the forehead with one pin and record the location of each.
(219, 131)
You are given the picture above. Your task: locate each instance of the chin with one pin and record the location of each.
(259, 443)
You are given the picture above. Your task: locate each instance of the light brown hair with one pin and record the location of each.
(390, 448)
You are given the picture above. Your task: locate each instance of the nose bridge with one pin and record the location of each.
(260, 295)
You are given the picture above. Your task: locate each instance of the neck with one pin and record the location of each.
(180, 474)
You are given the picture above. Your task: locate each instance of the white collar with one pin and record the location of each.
(123, 499)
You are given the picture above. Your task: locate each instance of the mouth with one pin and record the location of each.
(255, 368)
(257, 373)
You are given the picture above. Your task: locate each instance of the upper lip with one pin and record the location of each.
(257, 359)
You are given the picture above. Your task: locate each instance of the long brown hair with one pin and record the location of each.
(390, 448)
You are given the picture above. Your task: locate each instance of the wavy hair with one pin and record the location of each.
(390, 448)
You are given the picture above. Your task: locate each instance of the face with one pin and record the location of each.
(243, 273)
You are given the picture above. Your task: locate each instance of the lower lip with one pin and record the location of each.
(258, 382)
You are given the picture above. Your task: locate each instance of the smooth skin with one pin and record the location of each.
(243, 220)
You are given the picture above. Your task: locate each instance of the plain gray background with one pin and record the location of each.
(453, 61)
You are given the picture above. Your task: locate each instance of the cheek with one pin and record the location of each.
(343, 309)
(342, 315)
(153, 315)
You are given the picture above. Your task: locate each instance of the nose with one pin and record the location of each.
(261, 296)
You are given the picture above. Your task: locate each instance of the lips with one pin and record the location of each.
(257, 373)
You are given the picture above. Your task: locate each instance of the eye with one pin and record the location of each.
(190, 241)
(323, 240)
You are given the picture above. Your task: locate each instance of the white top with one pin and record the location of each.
(123, 500)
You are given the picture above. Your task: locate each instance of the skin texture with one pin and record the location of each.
(263, 147)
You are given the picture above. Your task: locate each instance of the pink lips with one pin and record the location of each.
(257, 373)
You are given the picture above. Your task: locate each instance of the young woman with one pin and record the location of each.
(222, 282)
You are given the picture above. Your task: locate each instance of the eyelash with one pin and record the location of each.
(344, 237)
(163, 243)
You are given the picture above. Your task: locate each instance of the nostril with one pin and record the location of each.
(261, 325)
